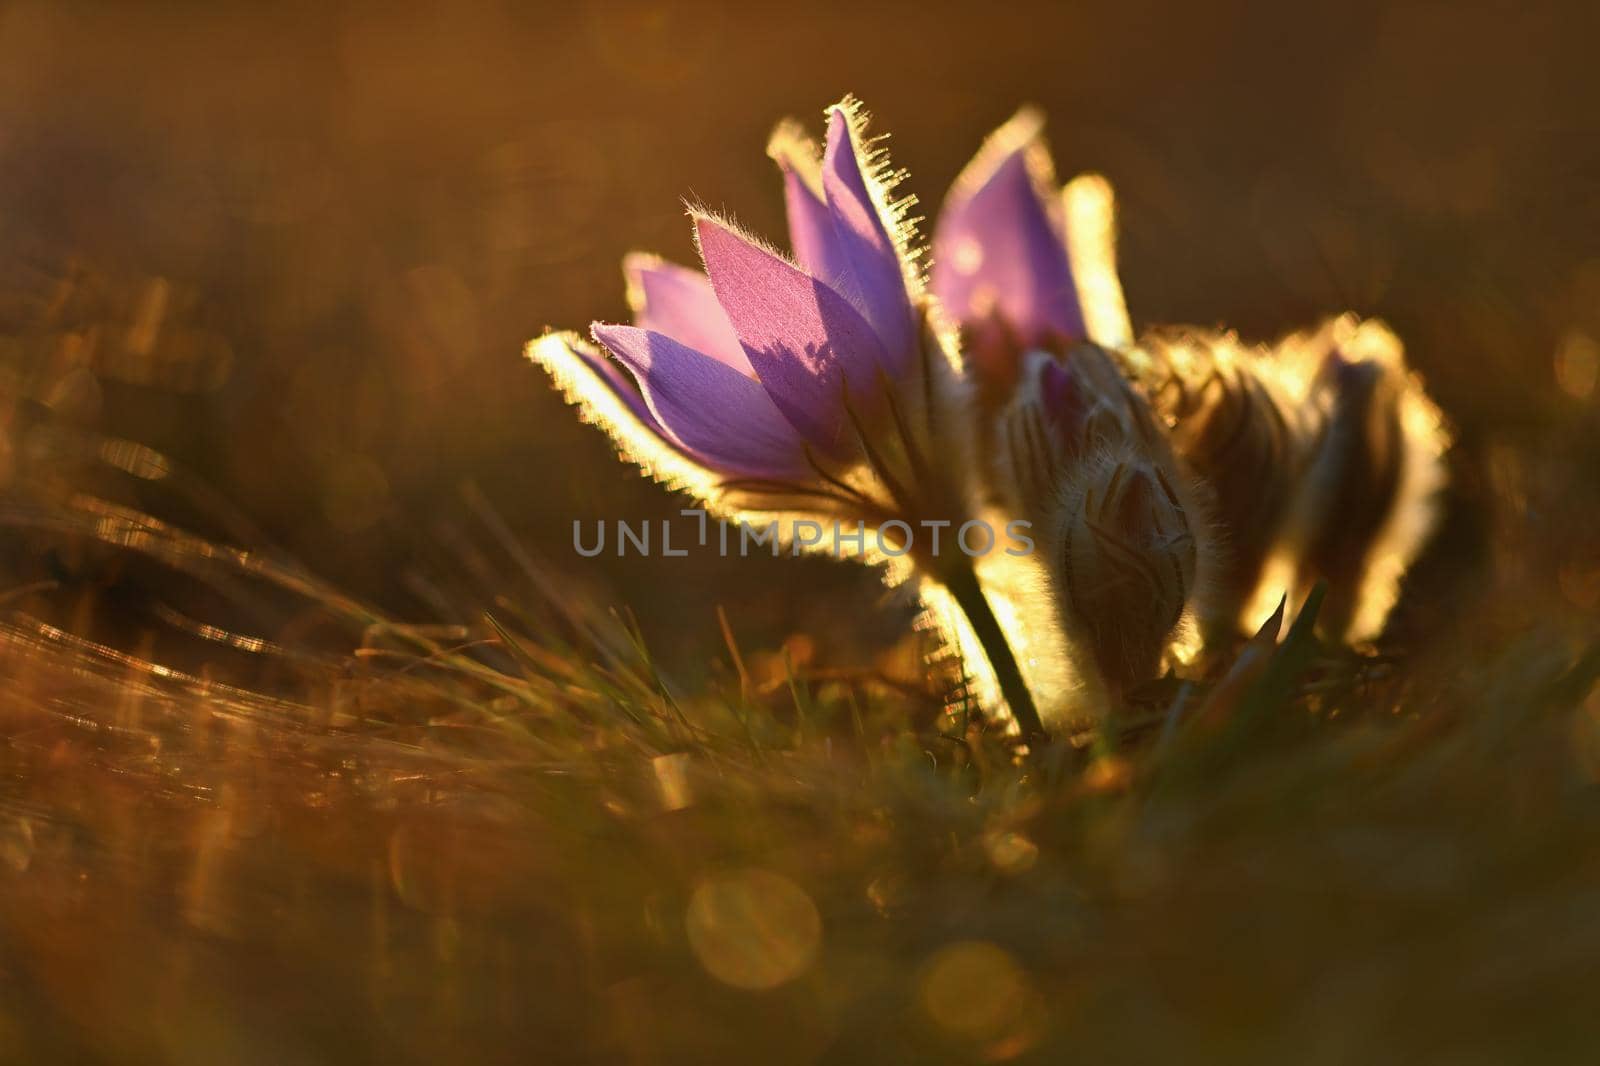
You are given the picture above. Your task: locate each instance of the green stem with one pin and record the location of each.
(968, 594)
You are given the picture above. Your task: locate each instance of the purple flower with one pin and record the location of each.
(1001, 245)
(805, 386)
(1027, 270)
(811, 386)
(1020, 263)
(763, 366)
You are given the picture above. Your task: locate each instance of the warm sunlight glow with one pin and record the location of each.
(1090, 207)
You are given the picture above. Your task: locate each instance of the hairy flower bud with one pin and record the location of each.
(1356, 468)
(1127, 564)
(1368, 497)
(1080, 454)
(1242, 432)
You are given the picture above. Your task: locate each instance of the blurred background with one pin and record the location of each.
(297, 248)
(266, 272)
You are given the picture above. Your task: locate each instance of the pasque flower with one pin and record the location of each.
(769, 383)
(766, 368)
(816, 386)
(1019, 262)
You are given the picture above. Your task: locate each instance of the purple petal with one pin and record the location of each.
(677, 301)
(875, 280)
(618, 382)
(707, 407)
(1000, 242)
(1059, 392)
(804, 339)
(811, 230)
(1066, 407)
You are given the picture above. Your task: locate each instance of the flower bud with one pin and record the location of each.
(1079, 452)
(1368, 498)
(1351, 485)
(1239, 429)
(1127, 564)
(1063, 411)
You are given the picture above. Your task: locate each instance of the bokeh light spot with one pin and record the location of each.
(753, 929)
(1011, 852)
(1577, 365)
(975, 990)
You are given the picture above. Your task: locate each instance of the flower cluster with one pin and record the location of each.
(1173, 483)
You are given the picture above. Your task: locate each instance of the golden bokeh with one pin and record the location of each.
(1577, 365)
(752, 928)
(975, 990)
(1011, 852)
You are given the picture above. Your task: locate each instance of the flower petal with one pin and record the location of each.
(999, 242)
(677, 301)
(604, 396)
(805, 340)
(612, 378)
(811, 231)
(1090, 210)
(709, 408)
(876, 281)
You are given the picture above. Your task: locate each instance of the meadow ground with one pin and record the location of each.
(543, 848)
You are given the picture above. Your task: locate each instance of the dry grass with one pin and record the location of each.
(520, 840)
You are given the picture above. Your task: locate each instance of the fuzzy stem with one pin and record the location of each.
(962, 583)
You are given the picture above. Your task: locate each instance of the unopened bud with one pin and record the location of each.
(1354, 476)
(1127, 565)
(1368, 499)
(1244, 436)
